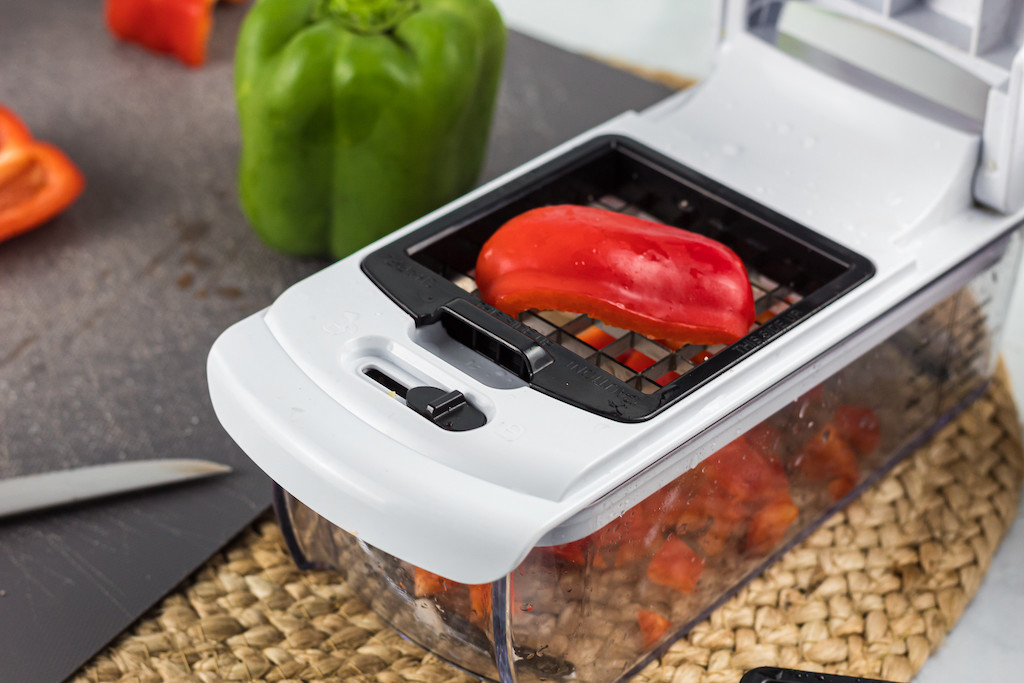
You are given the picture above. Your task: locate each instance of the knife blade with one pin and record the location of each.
(32, 492)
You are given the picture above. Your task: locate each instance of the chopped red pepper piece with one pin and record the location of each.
(37, 180)
(669, 376)
(768, 526)
(480, 604)
(827, 457)
(745, 474)
(177, 27)
(655, 279)
(596, 337)
(574, 552)
(701, 357)
(675, 565)
(652, 625)
(428, 583)
(634, 360)
(766, 440)
(859, 426)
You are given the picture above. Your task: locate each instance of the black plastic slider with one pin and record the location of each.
(510, 348)
(449, 410)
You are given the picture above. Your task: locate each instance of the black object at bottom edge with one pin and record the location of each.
(771, 674)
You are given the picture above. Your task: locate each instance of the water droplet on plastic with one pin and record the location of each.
(893, 199)
(759, 189)
(810, 141)
(731, 150)
(783, 129)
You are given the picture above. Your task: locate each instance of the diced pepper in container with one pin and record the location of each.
(652, 625)
(827, 459)
(859, 426)
(768, 526)
(676, 566)
(480, 604)
(37, 180)
(427, 583)
(660, 281)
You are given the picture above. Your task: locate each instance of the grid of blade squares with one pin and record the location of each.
(645, 364)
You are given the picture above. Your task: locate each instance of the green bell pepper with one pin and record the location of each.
(359, 116)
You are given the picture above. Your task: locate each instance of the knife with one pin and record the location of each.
(63, 487)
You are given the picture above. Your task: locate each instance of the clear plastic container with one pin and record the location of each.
(599, 608)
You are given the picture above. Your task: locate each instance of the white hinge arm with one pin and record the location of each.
(999, 182)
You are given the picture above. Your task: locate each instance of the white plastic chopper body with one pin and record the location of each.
(915, 194)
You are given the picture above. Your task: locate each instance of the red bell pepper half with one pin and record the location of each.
(177, 27)
(37, 181)
(658, 280)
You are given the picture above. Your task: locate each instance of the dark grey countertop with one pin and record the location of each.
(109, 311)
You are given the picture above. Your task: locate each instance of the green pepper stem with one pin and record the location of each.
(366, 16)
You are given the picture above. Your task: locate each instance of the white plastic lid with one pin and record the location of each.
(982, 38)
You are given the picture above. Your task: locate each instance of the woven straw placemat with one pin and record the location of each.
(871, 593)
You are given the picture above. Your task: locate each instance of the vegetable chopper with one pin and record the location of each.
(548, 498)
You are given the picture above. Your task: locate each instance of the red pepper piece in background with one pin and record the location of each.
(177, 27)
(655, 279)
(652, 625)
(37, 180)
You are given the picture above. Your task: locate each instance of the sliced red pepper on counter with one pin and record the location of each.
(177, 27)
(37, 180)
(655, 279)
(12, 130)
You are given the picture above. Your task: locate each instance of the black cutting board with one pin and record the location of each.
(107, 313)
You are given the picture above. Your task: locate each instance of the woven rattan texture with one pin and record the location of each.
(872, 593)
